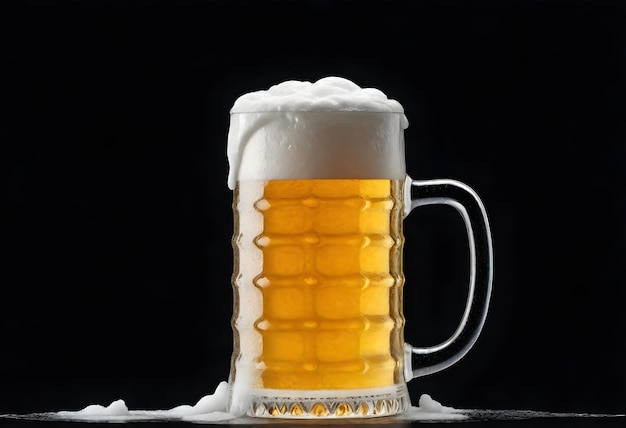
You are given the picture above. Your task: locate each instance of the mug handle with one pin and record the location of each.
(424, 361)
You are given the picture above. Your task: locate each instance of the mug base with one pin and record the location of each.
(306, 404)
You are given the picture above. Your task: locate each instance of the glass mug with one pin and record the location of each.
(320, 196)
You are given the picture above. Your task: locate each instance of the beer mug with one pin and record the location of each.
(320, 196)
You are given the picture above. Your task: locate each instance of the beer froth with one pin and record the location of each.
(331, 128)
(327, 94)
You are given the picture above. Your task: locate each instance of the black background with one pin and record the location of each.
(115, 245)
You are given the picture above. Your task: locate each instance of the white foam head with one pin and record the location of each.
(331, 128)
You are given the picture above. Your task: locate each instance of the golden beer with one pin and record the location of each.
(318, 283)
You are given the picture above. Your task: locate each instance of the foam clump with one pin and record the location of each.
(216, 402)
(327, 94)
(427, 404)
(116, 408)
(212, 407)
(430, 409)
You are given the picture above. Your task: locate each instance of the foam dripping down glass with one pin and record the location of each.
(320, 194)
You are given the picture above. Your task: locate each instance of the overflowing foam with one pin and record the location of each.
(331, 128)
